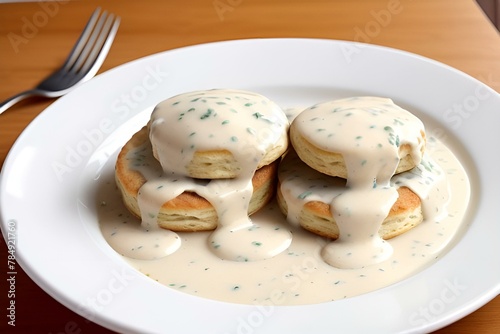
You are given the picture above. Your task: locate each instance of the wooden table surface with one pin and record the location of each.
(35, 37)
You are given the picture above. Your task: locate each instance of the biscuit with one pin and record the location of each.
(188, 211)
(332, 163)
(363, 127)
(310, 192)
(216, 134)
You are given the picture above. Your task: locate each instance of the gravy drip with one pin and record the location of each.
(369, 133)
(243, 123)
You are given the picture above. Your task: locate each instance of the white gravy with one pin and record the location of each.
(303, 272)
(244, 123)
(368, 132)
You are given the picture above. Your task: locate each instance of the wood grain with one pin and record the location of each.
(35, 38)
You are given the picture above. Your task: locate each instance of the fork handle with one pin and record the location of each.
(16, 98)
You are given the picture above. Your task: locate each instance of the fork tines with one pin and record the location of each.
(93, 44)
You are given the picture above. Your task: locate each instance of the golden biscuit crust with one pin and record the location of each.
(188, 211)
(317, 218)
(332, 163)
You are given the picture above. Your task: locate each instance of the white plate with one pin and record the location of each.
(50, 179)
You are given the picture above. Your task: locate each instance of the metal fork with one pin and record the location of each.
(83, 62)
